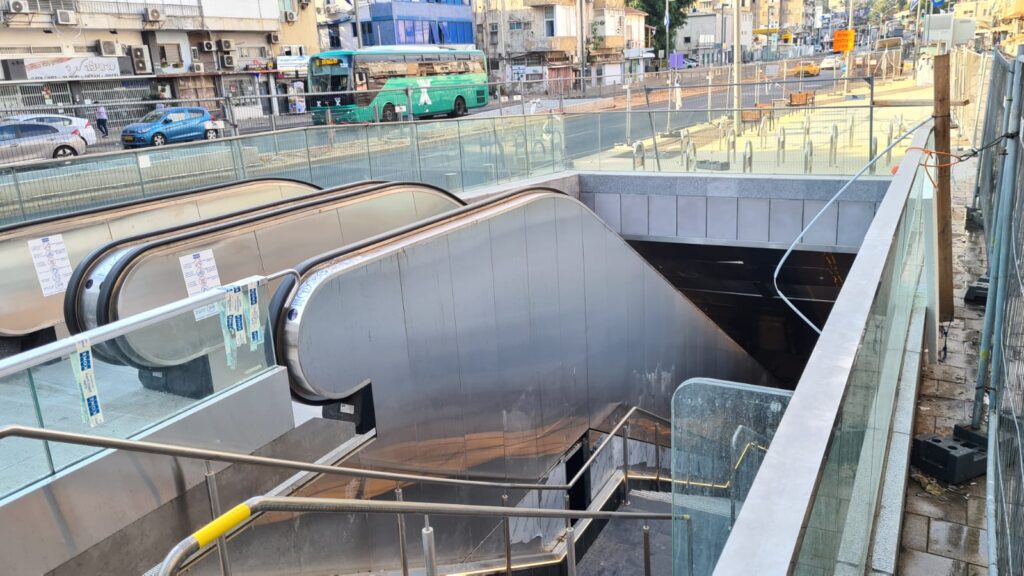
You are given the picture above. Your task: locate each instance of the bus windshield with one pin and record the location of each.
(329, 74)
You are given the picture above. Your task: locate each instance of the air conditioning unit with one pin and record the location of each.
(290, 16)
(207, 46)
(198, 67)
(227, 60)
(226, 45)
(106, 48)
(153, 15)
(303, 4)
(273, 38)
(17, 7)
(66, 18)
(141, 65)
(138, 52)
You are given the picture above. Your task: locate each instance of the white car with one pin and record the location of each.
(84, 127)
(829, 63)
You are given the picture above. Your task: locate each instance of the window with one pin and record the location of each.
(178, 116)
(7, 133)
(170, 55)
(686, 39)
(196, 113)
(35, 130)
(494, 33)
(515, 25)
(549, 21)
(287, 5)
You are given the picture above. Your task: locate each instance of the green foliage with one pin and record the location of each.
(656, 16)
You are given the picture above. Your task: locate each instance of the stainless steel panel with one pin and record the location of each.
(722, 218)
(785, 220)
(634, 214)
(753, 219)
(24, 309)
(662, 215)
(825, 229)
(493, 342)
(854, 220)
(263, 246)
(692, 216)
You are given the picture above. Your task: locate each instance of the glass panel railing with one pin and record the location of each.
(393, 152)
(720, 433)
(111, 388)
(338, 155)
(440, 159)
(842, 513)
(164, 171)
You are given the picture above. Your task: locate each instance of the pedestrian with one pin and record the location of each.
(101, 119)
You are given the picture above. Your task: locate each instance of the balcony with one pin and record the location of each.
(609, 4)
(552, 44)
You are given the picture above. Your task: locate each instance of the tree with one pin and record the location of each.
(655, 10)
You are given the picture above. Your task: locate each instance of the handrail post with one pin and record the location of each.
(647, 549)
(402, 552)
(657, 456)
(689, 544)
(625, 464)
(429, 551)
(506, 526)
(215, 511)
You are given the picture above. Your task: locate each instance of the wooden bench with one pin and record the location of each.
(801, 98)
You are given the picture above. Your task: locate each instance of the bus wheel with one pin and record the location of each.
(459, 109)
(388, 114)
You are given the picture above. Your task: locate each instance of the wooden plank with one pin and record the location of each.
(943, 209)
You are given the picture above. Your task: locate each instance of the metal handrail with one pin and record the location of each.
(16, 431)
(61, 348)
(239, 514)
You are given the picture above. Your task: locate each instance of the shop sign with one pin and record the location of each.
(293, 63)
(85, 67)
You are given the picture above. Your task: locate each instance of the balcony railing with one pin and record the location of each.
(552, 44)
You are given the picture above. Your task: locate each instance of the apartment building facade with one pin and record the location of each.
(547, 40)
(400, 22)
(55, 52)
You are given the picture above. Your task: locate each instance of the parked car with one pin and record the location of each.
(804, 68)
(169, 125)
(84, 127)
(20, 141)
(830, 63)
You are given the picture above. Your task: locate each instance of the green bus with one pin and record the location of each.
(361, 85)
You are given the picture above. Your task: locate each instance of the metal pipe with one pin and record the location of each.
(570, 551)
(647, 550)
(625, 464)
(403, 554)
(657, 456)
(429, 551)
(1001, 242)
(506, 525)
(215, 511)
(241, 513)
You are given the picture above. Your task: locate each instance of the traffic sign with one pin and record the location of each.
(843, 40)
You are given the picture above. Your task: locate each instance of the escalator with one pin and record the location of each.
(493, 342)
(142, 272)
(36, 256)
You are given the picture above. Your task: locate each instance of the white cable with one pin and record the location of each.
(800, 236)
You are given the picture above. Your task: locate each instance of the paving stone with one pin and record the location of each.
(914, 563)
(915, 532)
(944, 407)
(959, 542)
(950, 507)
(976, 512)
(945, 373)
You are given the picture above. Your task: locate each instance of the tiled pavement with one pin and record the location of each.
(945, 535)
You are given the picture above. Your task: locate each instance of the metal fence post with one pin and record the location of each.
(808, 156)
(429, 551)
(657, 456)
(402, 552)
(408, 103)
(570, 543)
(625, 464)
(215, 511)
(647, 549)
(506, 526)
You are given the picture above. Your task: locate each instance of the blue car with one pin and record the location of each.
(170, 125)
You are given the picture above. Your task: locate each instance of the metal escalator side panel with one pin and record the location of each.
(151, 275)
(497, 379)
(27, 309)
(75, 298)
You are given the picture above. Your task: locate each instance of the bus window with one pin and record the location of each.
(360, 80)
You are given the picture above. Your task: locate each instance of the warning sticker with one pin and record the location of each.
(199, 270)
(53, 267)
(85, 376)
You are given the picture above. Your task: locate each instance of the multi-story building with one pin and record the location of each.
(795, 16)
(541, 40)
(385, 23)
(70, 51)
(636, 52)
(707, 37)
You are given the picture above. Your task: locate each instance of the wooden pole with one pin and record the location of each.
(943, 215)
